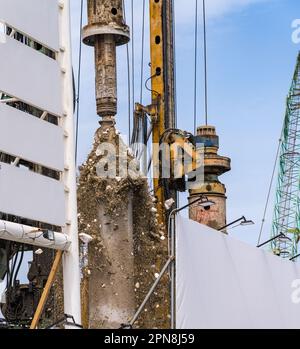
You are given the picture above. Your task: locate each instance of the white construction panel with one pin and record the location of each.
(30, 76)
(31, 139)
(222, 283)
(36, 18)
(30, 195)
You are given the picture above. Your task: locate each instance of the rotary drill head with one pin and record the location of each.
(105, 30)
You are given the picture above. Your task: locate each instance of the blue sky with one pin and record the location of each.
(251, 59)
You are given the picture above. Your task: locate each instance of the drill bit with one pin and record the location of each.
(105, 31)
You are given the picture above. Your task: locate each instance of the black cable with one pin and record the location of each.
(195, 66)
(129, 92)
(14, 262)
(175, 80)
(74, 91)
(148, 88)
(128, 80)
(145, 131)
(143, 49)
(8, 244)
(175, 63)
(19, 265)
(138, 137)
(134, 138)
(132, 55)
(78, 82)
(205, 63)
(269, 192)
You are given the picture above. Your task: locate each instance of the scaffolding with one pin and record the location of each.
(286, 221)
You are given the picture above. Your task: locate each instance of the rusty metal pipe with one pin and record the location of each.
(105, 30)
(106, 76)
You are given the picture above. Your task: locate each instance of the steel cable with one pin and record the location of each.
(269, 192)
(195, 66)
(143, 49)
(205, 63)
(132, 55)
(78, 82)
(128, 80)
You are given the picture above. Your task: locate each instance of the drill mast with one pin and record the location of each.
(163, 90)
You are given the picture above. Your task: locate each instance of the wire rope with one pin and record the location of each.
(128, 79)
(205, 63)
(195, 65)
(142, 54)
(132, 55)
(269, 192)
(78, 82)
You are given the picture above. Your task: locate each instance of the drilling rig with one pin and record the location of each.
(121, 246)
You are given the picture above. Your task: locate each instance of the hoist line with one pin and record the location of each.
(78, 83)
(205, 63)
(132, 55)
(143, 49)
(128, 80)
(195, 66)
(175, 63)
(269, 192)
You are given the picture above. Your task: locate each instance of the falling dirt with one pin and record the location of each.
(149, 238)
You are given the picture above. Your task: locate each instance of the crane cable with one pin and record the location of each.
(143, 49)
(128, 78)
(175, 63)
(195, 66)
(144, 124)
(269, 192)
(78, 83)
(132, 56)
(205, 63)
(140, 124)
(19, 264)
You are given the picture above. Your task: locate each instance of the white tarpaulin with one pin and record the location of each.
(223, 283)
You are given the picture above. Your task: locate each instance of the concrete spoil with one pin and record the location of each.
(128, 247)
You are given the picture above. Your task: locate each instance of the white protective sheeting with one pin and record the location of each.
(47, 84)
(27, 194)
(35, 18)
(28, 235)
(223, 283)
(30, 76)
(29, 138)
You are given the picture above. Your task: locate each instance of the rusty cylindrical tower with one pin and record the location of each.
(105, 30)
(214, 166)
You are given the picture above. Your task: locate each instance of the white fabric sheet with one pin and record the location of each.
(223, 283)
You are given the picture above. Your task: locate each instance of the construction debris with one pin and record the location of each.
(117, 265)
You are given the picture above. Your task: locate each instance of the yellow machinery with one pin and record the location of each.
(201, 149)
(163, 109)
